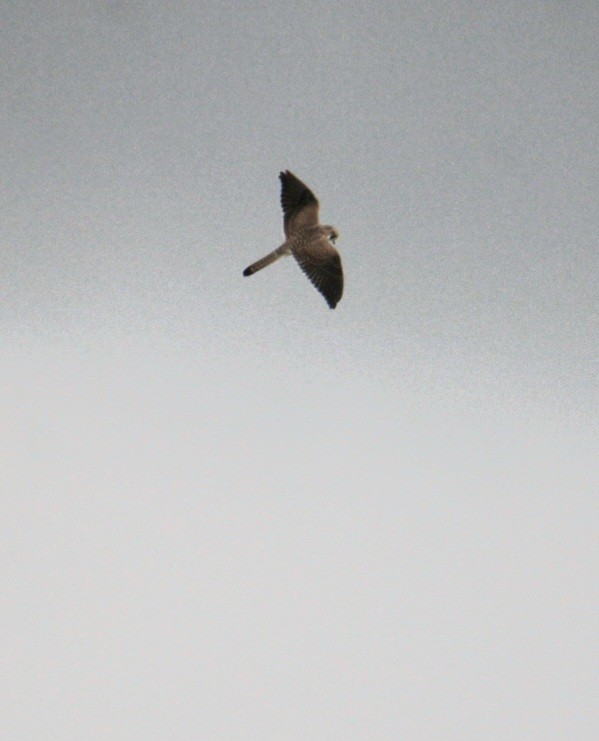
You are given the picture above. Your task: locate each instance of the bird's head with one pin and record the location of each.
(331, 233)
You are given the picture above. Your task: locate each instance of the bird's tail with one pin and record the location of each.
(264, 262)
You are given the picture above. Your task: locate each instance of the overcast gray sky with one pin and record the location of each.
(229, 512)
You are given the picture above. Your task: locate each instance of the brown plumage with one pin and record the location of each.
(311, 243)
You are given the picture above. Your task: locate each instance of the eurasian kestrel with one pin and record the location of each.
(311, 243)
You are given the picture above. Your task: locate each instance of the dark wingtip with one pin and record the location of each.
(247, 271)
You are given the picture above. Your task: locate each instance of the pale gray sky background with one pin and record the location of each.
(228, 512)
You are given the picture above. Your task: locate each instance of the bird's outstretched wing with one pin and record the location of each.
(320, 261)
(300, 205)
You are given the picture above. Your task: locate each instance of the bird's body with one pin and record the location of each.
(311, 243)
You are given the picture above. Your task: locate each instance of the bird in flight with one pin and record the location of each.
(311, 243)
